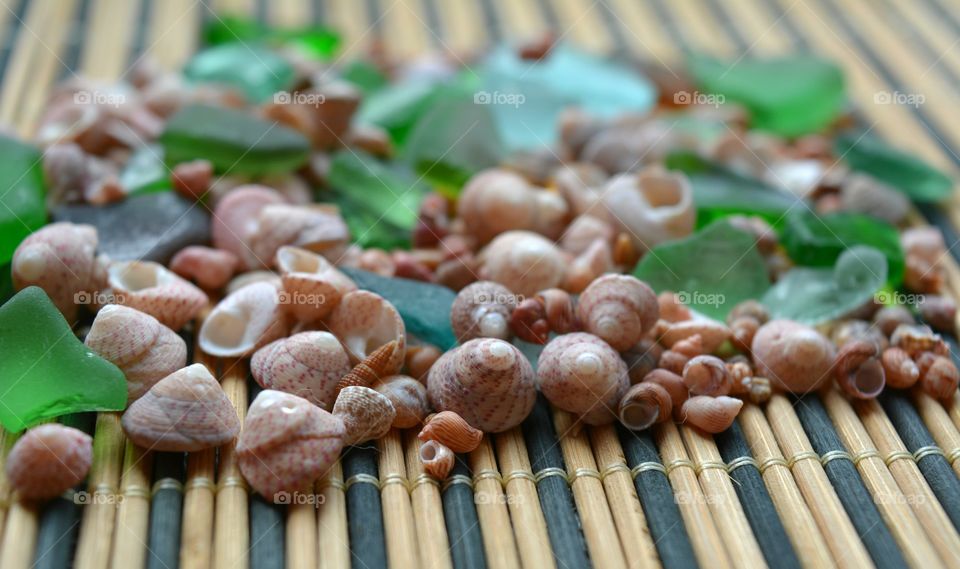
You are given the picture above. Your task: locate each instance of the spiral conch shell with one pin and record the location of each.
(287, 442)
(152, 288)
(651, 207)
(143, 348)
(452, 431)
(496, 200)
(244, 321)
(582, 374)
(486, 381)
(366, 414)
(365, 321)
(308, 364)
(523, 261)
(482, 310)
(61, 259)
(711, 414)
(312, 285)
(643, 405)
(619, 309)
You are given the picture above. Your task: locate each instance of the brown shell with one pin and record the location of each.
(409, 398)
(452, 431)
(366, 414)
(901, 371)
(711, 414)
(49, 460)
(707, 375)
(437, 459)
(619, 309)
(793, 356)
(374, 367)
(643, 405)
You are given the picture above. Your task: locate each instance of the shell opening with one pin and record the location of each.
(429, 451)
(227, 329)
(639, 415)
(294, 260)
(660, 191)
(868, 380)
(135, 276)
(30, 263)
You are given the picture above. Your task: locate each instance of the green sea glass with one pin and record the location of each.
(818, 240)
(255, 71)
(22, 192)
(45, 371)
(424, 307)
(234, 141)
(790, 96)
(815, 295)
(319, 42)
(712, 270)
(365, 75)
(397, 107)
(903, 171)
(145, 172)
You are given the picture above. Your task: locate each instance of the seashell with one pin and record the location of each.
(672, 382)
(584, 375)
(939, 312)
(409, 266)
(549, 311)
(583, 231)
(625, 254)
(673, 361)
(924, 251)
(865, 194)
(643, 405)
(523, 261)
(376, 261)
(711, 414)
(287, 442)
(642, 359)
(577, 127)
(496, 201)
(652, 206)
(314, 227)
(707, 375)
(758, 390)
(900, 369)
(849, 331)
(150, 287)
(192, 179)
(795, 357)
(749, 308)
(627, 144)
(308, 364)
(672, 309)
(48, 460)
(143, 348)
(938, 376)
(367, 373)
(690, 347)
(589, 265)
(486, 381)
(420, 359)
(366, 414)
(365, 321)
(437, 459)
(61, 259)
(482, 310)
(579, 184)
(251, 277)
(243, 322)
(235, 218)
(918, 339)
(452, 431)
(209, 268)
(619, 309)
(858, 371)
(712, 333)
(312, 285)
(183, 412)
(409, 399)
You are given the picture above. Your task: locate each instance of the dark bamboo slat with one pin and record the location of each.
(166, 511)
(460, 517)
(368, 547)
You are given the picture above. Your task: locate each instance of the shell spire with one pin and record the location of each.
(374, 367)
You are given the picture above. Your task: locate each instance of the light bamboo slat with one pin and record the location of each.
(333, 538)
(397, 512)
(427, 509)
(133, 511)
(231, 532)
(498, 541)
(99, 513)
(944, 432)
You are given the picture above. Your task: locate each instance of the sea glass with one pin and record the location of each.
(319, 42)
(45, 371)
(234, 141)
(255, 71)
(145, 172)
(903, 171)
(397, 107)
(22, 208)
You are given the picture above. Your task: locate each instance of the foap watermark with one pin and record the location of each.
(301, 299)
(896, 297)
(98, 298)
(497, 98)
(698, 98)
(299, 499)
(697, 498)
(505, 299)
(897, 98)
(884, 498)
(497, 498)
(298, 98)
(111, 98)
(84, 498)
(698, 298)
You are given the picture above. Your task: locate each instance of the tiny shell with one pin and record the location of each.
(713, 333)
(437, 459)
(420, 359)
(672, 382)
(315, 227)
(653, 206)
(643, 405)
(366, 414)
(313, 286)
(372, 369)
(49, 460)
(917, 339)
(707, 375)
(143, 348)
(184, 412)
(365, 321)
(523, 261)
(209, 268)
(619, 309)
(235, 217)
(549, 311)
(287, 442)
(482, 310)
(308, 364)
(794, 357)
(858, 371)
(672, 309)
(900, 369)
(243, 322)
(711, 414)
(939, 377)
(452, 431)
(495, 201)
(409, 398)
(150, 287)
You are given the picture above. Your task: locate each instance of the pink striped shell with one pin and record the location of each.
(152, 288)
(308, 364)
(365, 321)
(235, 218)
(312, 285)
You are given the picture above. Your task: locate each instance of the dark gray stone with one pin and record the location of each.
(151, 227)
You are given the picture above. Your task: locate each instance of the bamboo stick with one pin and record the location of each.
(529, 525)
(99, 515)
(133, 511)
(20, 537)
(231, 533)
(595, 516)
(460, 517)
(166, 510)
(722, 499)
(638, 546)
(301, 535)
(706, 540)
(432, 536)
(498, 541)
(887, 496)
(397, 511)
(368, 542)
(943, 430)
(332, 536)
(835, 525)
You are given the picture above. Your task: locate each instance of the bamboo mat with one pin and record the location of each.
(813, 482)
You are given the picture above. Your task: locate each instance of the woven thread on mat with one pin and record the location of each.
(680, 462)
(362, 478)
(832, 455)
(647, 467)
(710, 465)
(167, 484)
(772, 461)
(741, 461)
(232, 482)
(803, 455)
(926, 451)
(200, 482)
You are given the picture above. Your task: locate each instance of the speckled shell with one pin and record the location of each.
(366, 414)
(150, 287)
(61, 259)
(651, 207)
(312, 285)
(643, 405)
(582, 374)
(314, 227)
(287, 442)
(365, 321)
(619, 309)
(523, 261)
(711, 414)
(244, 321)
(482, 310)
(486, 381)
(452, 431)
(437, 459)
(184, 412)
(495, 201)
(409, 398)
(49, 460)
(308, 364)
(209, 268)
(235, 218)
(794, 357)
(143, 348)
